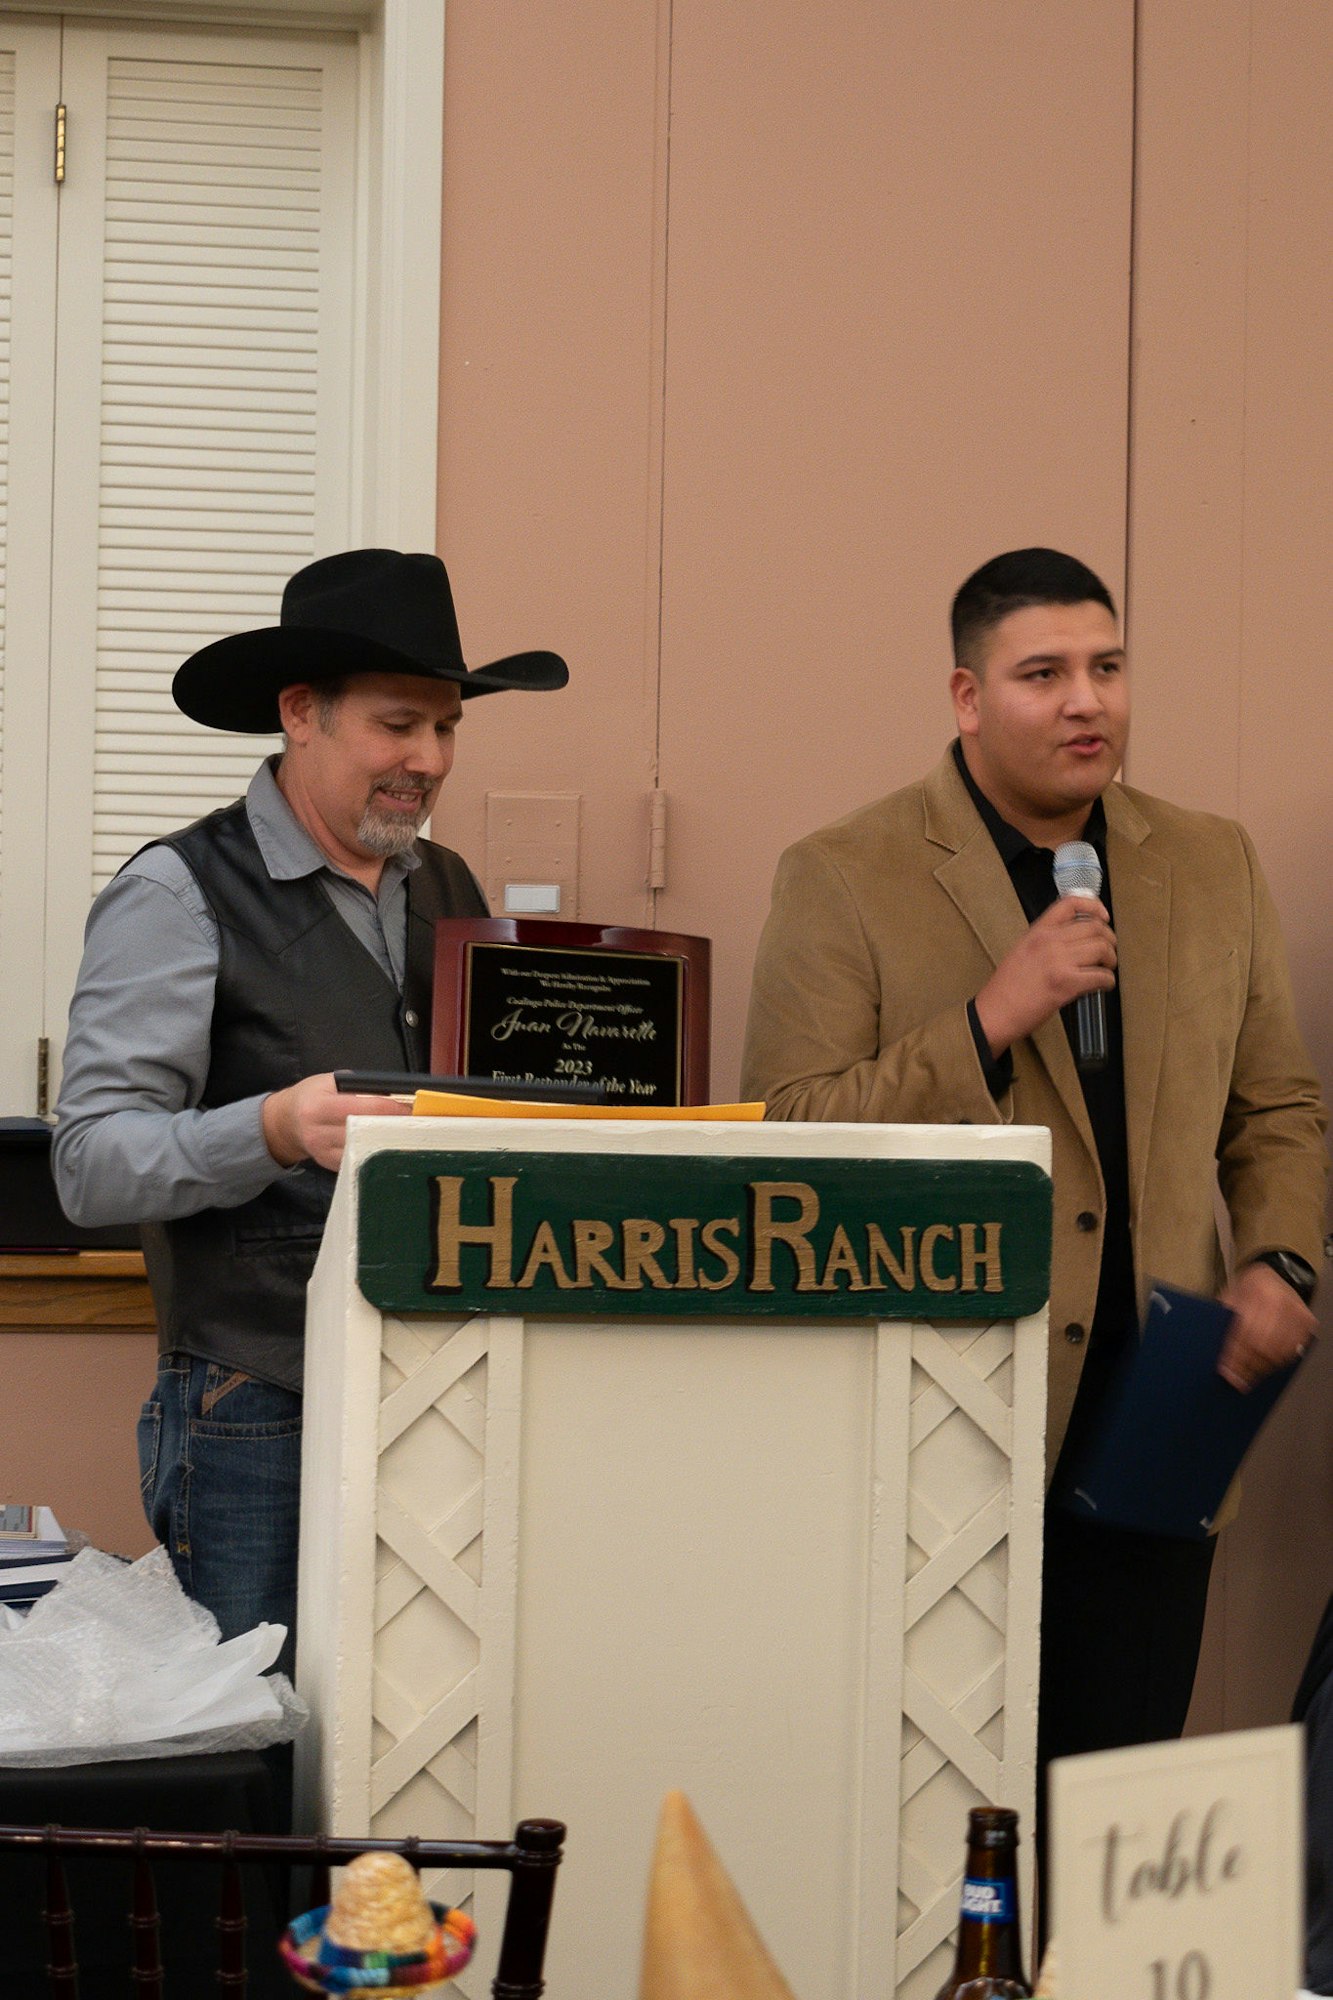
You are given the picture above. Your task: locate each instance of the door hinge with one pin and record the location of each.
(657, 817)
(60, 145)
(43, 1075)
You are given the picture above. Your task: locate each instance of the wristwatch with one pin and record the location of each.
(1294, 1269)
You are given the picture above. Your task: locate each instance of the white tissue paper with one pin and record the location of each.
(116, 1662)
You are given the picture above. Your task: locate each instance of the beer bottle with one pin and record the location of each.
(989, 1962)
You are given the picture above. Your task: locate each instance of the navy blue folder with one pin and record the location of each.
(1173, 1433)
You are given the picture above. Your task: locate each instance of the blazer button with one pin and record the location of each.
(1087, 1220)
(410, 1016)
(1074, 1333)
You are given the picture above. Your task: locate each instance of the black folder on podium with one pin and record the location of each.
(1173, 1433)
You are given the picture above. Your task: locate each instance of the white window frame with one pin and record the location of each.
(396, 299)
(392, 488)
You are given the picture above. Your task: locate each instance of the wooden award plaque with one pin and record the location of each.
(526, 1000)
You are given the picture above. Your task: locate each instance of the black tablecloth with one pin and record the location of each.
(241, 1791)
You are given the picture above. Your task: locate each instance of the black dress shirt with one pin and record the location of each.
(1116, 1313)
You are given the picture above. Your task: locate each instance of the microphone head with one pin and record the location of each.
(1076, 869)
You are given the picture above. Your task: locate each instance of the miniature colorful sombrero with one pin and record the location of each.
(379, 1936)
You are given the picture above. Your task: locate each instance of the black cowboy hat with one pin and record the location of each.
(370, 611)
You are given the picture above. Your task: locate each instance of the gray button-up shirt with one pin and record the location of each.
(131, 1144)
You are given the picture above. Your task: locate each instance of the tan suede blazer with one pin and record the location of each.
(885, 924)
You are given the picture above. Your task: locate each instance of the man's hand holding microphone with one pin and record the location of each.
(1069, 954)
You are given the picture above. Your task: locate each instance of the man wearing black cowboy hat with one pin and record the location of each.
(227, 971)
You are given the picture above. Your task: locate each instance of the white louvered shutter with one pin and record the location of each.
(204, 426)
(29, 88)
(7, 67)
(7, 83)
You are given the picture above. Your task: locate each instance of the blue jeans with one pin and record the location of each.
(220, 1477)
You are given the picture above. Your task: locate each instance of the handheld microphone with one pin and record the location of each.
(1078, 872)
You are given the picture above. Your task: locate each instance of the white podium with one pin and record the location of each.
(780, 1548)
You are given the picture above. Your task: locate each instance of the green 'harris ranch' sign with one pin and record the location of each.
(676, 1236)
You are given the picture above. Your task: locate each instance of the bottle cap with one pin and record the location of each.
(992, 1826)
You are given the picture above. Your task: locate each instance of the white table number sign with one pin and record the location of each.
(1178, 1869)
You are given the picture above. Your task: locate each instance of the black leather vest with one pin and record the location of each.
(297, 993)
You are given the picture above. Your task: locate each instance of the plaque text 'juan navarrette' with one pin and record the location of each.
(671, 1235)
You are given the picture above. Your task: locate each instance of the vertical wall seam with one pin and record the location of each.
(1131, 329)
(663, 222)
(1131, 303)
(49, 789)
(1242, 609)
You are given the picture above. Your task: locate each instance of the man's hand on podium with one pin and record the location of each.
(308, 1120)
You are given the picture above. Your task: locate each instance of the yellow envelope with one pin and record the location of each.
(444, 1104)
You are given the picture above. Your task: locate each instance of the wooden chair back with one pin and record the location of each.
(530, 1858)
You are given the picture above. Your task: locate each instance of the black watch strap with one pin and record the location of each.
(1293, 1269)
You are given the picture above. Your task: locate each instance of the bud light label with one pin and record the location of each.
(988, 1902)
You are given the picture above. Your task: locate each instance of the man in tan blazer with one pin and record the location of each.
(914, 967)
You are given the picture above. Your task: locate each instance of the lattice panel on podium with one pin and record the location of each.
(950, 1648)
(426, 1689)
(956, 1625)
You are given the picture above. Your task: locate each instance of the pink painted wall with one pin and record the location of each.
(550, 384)
(895, 330)
(71, 1444)
(764, 324)
(1231, 501)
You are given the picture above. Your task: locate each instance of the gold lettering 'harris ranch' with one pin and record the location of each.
(688, 1253)
(674, 1235)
